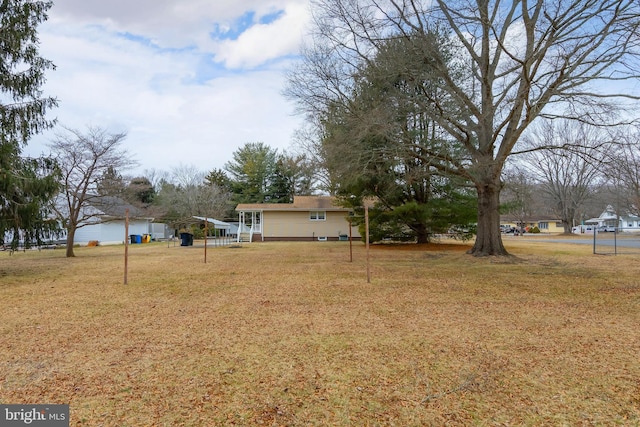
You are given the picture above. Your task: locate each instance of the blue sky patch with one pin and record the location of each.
(271, 17)
(145, 41)
(243, 23)
(149, 43)
(208, 69)
(239, 26)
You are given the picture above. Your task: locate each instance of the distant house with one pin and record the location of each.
(550, 225)
(546, 224)
(307, 218)
(107, 223)
(610, 219)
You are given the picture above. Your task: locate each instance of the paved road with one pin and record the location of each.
(607, 240)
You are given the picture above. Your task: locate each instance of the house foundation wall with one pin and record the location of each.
(303, 239)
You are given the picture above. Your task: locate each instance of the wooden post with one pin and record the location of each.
(206, 231)
(126, 245)
(366, 222)
(350, 239)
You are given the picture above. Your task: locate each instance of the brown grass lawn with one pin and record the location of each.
(291, 334)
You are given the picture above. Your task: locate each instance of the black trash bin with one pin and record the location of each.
(186, 239)
(135, 238)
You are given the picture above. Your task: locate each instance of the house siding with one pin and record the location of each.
(552, 227)
(109, 232)
(298, 226)
(84, 235)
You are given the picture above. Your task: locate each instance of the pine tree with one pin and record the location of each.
(26, 185)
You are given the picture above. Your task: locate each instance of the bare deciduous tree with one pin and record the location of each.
(518, 197)
(186, 194)
(305, 143)
(84, 157)
(623, 172)
(570, 176)
(516, 61)
(156, 177)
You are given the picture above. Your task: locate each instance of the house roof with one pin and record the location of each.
(610, 213)
(300, 203)
(115, 207)
(217, 223)
(538, 218)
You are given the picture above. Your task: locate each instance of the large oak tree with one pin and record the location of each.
(516, 61)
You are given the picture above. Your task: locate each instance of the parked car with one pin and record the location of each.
(607, 228)
(583, 229)
(514, 230)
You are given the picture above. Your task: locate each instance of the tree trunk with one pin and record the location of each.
(71, 232)
(567, 220)
(488, 239)
(423, 237)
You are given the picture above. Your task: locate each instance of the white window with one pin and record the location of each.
(317, 215)
(543, 225)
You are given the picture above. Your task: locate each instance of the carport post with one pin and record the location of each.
(126, 244)
(350, 239)
(206, 231)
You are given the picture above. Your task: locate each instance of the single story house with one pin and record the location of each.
(106, 223)
(546, 224)
(308, 218)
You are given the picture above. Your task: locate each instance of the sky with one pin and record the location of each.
(189, 81)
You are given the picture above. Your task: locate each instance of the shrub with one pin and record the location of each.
(198, 233)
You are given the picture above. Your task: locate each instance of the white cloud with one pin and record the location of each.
(262, 42)
(169, 23)
(151, 68)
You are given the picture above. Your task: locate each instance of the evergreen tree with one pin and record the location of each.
(251, 172)
(111, 183)
(140, 191)
(382, 146)
(218, 177)
(26, 185)
(281, 188)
